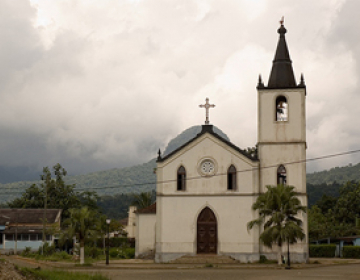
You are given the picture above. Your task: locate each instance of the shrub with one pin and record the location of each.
(46, 249)
(129, 253)
(351, 252)
(114, 242)
(114, 252)
(26, 252)
(62, 255)
(262, 259)
(122, 253)
(92, 252)
(322, 251)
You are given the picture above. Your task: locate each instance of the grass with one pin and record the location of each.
(85, 264)
(60, 275)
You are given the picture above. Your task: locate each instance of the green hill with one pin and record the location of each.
(335, 174)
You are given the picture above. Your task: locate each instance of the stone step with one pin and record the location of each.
(205, 259)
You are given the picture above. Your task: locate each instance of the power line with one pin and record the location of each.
(199, 177)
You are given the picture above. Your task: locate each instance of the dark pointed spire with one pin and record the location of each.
(282, 74)
(159, 155)
(260, 83)
(302, 81)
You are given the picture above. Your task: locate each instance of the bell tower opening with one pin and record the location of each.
(281, 109)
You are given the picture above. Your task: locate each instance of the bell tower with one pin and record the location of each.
(282, 124)
(282, 133)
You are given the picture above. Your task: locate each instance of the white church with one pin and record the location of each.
(205, 189)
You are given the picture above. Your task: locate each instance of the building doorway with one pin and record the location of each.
(207, 232)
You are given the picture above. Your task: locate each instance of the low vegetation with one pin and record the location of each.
(121, 250)
(59, 275)
(322, 251)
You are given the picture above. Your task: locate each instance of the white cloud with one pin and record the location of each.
(101, 84)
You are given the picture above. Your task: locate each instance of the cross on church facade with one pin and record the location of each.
(207, 106)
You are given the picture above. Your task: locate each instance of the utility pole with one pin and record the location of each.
(46, 177)
(16, 235)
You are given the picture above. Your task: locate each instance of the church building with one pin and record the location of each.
(206, 188)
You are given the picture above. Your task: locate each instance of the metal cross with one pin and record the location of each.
(207, 106)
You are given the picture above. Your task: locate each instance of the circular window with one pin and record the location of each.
(207, 167)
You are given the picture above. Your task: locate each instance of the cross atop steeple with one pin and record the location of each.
(207, 106)
(282, 20)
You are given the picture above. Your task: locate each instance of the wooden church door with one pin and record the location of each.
(206, 232)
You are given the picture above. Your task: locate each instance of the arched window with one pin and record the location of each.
(281, 109)
(181, 178)
(231, 180)
(281, 175)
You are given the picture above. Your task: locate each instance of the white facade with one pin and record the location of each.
(206, 188)
(178, 211)
(145, 232)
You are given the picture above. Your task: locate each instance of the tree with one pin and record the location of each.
(59, 195)
(82, 223)
(143, 200)
(347, 208)
(326, 203)
(278, 208)
(89, 199)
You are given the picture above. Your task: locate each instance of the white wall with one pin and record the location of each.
(145, 234)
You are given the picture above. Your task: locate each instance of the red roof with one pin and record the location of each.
(148, 210)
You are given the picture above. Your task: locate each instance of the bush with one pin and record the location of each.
(93, 252)
(62, 255)
(46, 249)
(263, 259)
(351, 252)
(26, 252)
(122, 253)
(322, 251)
(115, 242)
(114, 252)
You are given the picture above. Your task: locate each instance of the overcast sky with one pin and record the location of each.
(99, 84)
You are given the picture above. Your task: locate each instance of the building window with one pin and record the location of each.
(9, 237)
(281, 109)
(181, 178)
(24, 237)
(231, 181)
(33, 237)
(281, 175)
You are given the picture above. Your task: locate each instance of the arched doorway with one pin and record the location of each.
(206, 232)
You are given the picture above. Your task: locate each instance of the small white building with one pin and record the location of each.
(206, 188)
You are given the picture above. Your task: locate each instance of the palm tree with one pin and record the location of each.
(278, 208)
(82, 223)
(142, 200)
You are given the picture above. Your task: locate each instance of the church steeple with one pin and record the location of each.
(282, 74)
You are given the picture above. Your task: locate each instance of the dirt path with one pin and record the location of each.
(8, 271)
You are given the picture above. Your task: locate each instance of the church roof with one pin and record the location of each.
(282, 74)
(148, 210)
(207, 129)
